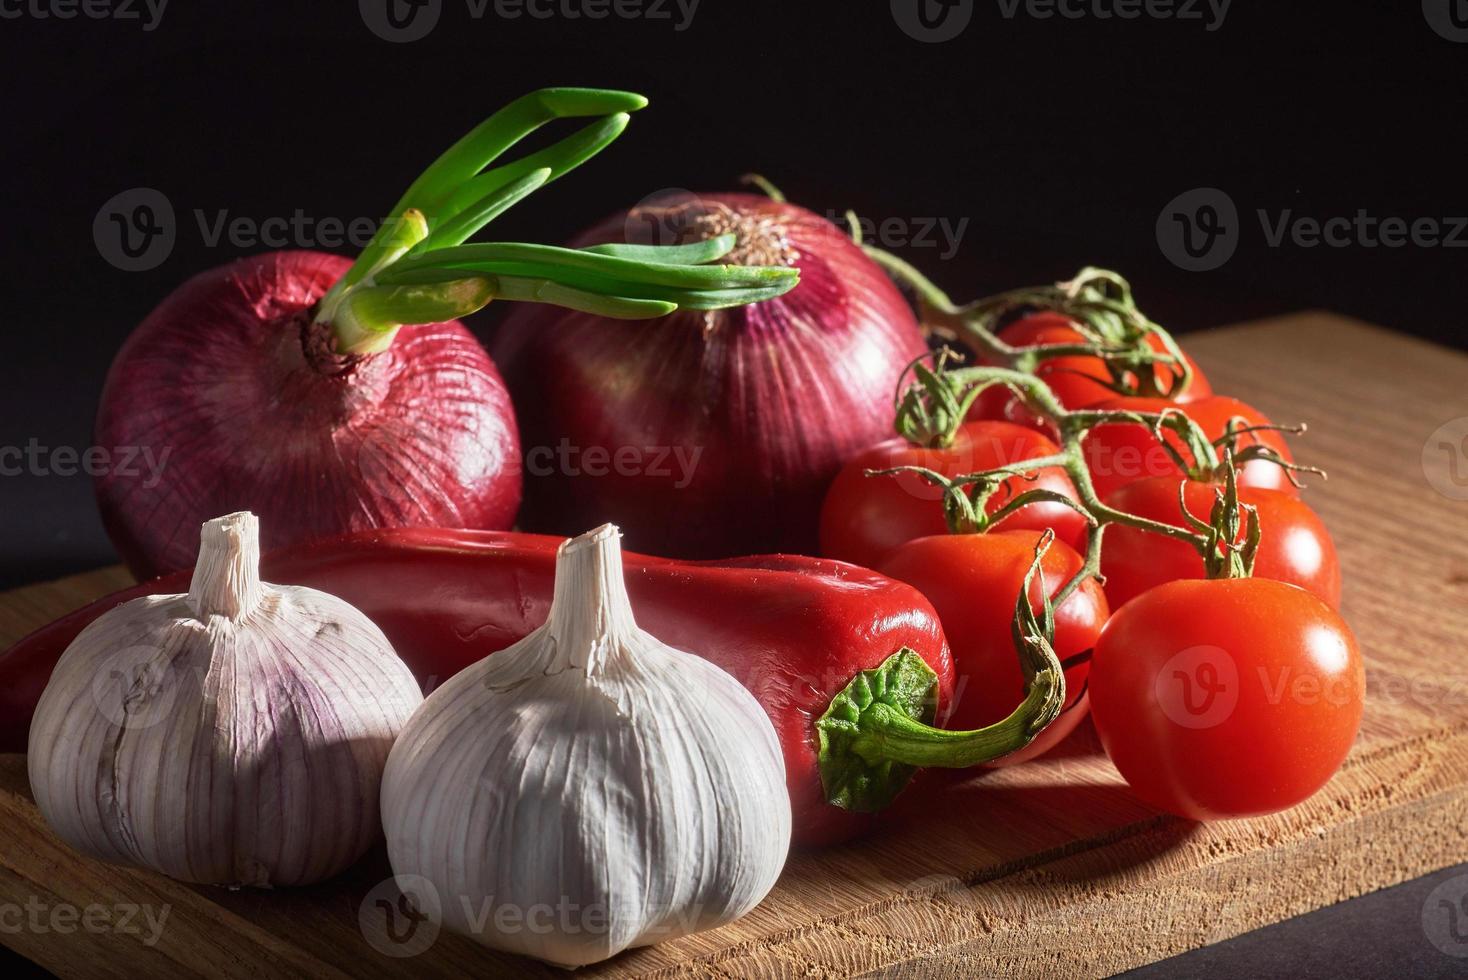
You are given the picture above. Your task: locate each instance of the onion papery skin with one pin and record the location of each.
(218, 377)
(765, 402)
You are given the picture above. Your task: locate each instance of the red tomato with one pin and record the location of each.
(1077, 381)
(1294, 545)
(865, 517)
(1226, 698)
(1122, 453)
(974, 580)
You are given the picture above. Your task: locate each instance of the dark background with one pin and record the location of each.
(1059, 142)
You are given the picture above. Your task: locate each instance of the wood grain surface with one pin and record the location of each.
(1051, 869)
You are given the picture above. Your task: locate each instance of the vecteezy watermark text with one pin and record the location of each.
(902, 232)
(124, 918)
(565, 459)
(935, 21)
(137, 229)
(35, 459)
(401, 916)
(1199, 230)
(403, 21)
(148, 13)
(1212, 12)
(1200, 687)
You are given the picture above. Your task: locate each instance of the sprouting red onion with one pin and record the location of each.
(225, 386)
(707, 434)
(328, 396)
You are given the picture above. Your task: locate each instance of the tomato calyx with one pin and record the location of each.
(1224, 555)
(930, 408)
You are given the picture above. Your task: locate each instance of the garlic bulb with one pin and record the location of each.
(587, 789)
(235, 735)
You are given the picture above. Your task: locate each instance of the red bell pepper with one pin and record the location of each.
(836, 654)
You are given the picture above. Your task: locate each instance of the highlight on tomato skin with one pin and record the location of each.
(1295, 545)
(863, 518)
(1226, 698)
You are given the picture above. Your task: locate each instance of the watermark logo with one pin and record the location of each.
(1199, 229)
(135, 688)
(1448, 18)
(935, 21)
(1445, 917)
(1445, 459)
(135, 230)
(400, 21)
(400, 916)
(1198, 688)
(932, 21)
(147, 13)
(403, 21)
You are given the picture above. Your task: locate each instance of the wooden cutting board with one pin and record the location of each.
(1048, 870)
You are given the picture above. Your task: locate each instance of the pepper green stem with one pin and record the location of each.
(888, 735)
(419, 269)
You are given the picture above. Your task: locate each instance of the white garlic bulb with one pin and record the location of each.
(588, 789)
(235, 735)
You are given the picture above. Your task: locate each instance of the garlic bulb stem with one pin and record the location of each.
(590, 613)
(227, 576)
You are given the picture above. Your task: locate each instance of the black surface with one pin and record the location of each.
(1058, 141)
(1389, 933)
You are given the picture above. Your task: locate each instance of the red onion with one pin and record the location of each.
(708, 434)
(329, 396)
(218, 386)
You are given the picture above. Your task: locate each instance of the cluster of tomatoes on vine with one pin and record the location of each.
(1191, 593)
